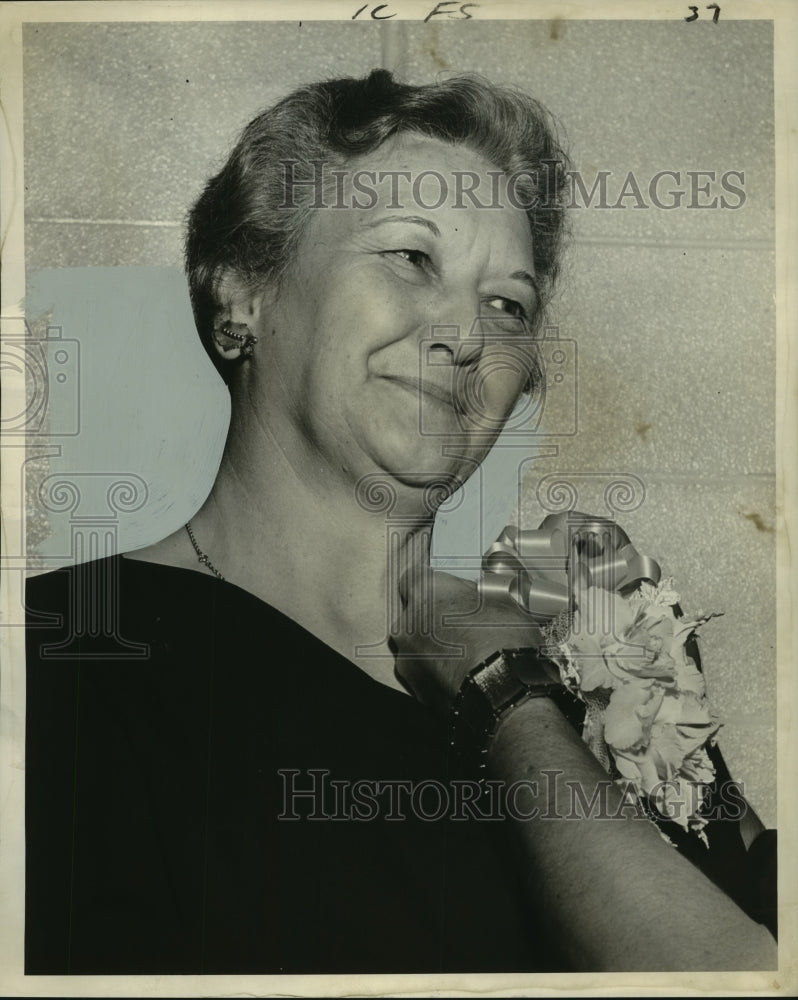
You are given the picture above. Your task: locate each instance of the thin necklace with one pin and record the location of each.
(200, 554)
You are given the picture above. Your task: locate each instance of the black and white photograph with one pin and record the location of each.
(398, 466)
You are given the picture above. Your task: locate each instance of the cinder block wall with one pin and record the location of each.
(671, 312)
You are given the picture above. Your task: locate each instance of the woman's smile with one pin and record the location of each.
(418, 387)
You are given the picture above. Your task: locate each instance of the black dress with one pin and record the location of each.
(203, 796)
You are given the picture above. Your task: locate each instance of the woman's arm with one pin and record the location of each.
(616, 895)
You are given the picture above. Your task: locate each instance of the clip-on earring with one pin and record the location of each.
(241, 335)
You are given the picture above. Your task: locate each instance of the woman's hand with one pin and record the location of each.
(445, 630)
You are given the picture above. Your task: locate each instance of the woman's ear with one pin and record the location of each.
(237, 317)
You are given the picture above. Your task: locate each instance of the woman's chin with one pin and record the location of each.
(424, 462)
(417, 467)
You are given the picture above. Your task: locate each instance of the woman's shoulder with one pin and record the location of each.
(99, 610)
(98, 582)
(122, 609)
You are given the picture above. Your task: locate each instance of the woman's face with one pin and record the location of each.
(400, 339)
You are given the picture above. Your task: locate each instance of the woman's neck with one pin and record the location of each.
(293, 533)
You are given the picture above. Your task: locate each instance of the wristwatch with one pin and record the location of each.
(489, 693)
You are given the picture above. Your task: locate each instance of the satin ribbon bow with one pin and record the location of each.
(540, 569)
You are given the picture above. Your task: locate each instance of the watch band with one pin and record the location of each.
(489, 693)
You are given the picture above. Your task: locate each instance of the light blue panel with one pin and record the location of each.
(140, 404)
(475, 515)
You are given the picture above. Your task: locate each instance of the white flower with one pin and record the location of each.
(646, 697)
(659, 595)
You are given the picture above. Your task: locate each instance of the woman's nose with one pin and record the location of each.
(458, 335)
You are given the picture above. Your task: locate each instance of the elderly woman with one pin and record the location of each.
(260, 791)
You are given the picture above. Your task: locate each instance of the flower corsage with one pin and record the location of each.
(646, 707)
(618, 638)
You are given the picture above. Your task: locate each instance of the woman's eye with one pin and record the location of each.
(415, 257)
(509, 306)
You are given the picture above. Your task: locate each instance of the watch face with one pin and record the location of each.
(530, 668)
